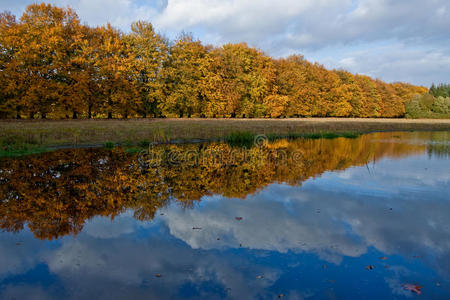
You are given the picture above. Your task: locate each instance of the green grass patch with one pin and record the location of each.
(133, 150)
(109, 145)
(144, 143)
(16, 145)
(315, 135)
(22, 152)
(351, 135)
(240, 138)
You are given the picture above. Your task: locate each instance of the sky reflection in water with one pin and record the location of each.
(312, 240)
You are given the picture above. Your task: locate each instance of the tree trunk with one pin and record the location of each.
(44, 116)
(75, 115)
(90, 112)
(31, 115)
(109, 115)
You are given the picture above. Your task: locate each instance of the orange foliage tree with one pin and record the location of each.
(52, 66)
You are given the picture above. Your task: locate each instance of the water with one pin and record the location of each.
(320, 219)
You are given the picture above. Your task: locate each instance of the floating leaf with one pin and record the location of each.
(370, 267)
(383, 258)
(239, 218)
(158, 275)
(413, 288)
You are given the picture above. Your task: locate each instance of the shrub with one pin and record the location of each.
(441, 105)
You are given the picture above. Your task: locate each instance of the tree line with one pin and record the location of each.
(53, 66)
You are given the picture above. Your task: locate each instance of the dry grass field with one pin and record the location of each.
(48, 133)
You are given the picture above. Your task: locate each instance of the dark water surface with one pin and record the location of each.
(321, 219)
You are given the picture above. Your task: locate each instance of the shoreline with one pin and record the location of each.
(22, 137)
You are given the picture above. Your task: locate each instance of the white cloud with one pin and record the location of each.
(392, 62)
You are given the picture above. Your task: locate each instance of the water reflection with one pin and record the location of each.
(262, 229)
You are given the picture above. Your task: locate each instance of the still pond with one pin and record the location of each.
(343, 218)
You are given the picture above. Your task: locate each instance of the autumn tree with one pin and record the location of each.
(241, 79)
(371, 104)
(86, 76)
(53, 66)
(8, 66)
(150, 52)
(115, 61)
(44, 54)
(182, 73)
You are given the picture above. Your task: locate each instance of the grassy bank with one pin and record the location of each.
(26, 137)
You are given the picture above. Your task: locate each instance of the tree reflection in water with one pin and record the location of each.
(55, 193)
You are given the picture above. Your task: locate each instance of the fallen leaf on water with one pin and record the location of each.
(331, 281)
(438, 284)
(370, 267)
(383, 258)
(280, 295)
(196, 228)
(238, 218)
(416, 256)
(218, 239)
(413, 288)
(158, 275)
(325, 266)
(386, 267)
(259, 277)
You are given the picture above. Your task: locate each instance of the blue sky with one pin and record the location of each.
(395, 40)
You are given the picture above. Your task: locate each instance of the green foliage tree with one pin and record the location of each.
(441, 90)
(441, 105)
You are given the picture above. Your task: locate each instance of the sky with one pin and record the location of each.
(394, 40)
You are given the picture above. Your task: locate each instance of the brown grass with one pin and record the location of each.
(91, 132)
